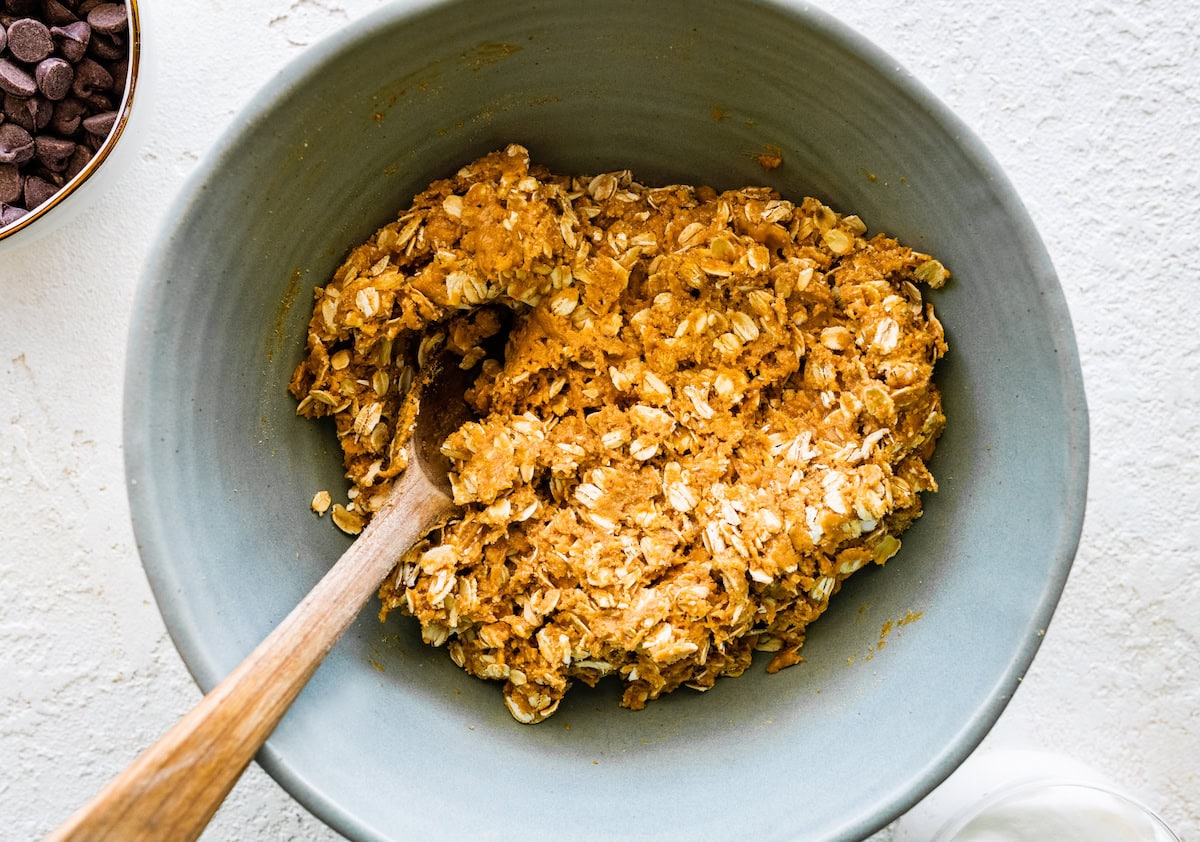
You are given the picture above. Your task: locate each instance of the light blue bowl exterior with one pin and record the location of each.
(391, 741)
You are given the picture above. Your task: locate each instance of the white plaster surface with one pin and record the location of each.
(1092, 108)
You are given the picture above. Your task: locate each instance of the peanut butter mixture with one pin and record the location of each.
(698, 413)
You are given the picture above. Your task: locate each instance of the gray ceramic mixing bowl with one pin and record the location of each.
(391, 741)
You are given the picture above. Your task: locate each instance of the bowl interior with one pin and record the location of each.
(391, 740)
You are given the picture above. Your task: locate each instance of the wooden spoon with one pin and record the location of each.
(173, 789)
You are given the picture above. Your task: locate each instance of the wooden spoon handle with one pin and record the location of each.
(173, 789)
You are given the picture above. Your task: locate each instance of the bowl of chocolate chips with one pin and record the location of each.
(68, 76)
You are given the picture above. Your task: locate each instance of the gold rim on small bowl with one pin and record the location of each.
(106, 148)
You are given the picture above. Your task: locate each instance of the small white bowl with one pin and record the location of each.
(1023, 796)
(110, 160)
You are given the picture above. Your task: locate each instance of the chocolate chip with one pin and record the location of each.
(16, 144)
(54, 77)
(22, 7)
(37, 191)
(56, 14)
(100, 124)
(120, 70)
(12, 183)
(79, 159)
(15, 109)
(10, 214)
(54, 153)
(14, 80)
(68, 117)
(29, 40)
(106, 47)
(108, 17)
(72, 40)
(36, 169)
(30, 113)
(90, 78)
(98, 102)
(3, 38)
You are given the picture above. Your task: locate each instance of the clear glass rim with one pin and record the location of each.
(959, 821)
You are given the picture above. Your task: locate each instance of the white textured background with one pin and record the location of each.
(1092, 108)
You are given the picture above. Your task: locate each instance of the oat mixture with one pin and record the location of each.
(699, 413)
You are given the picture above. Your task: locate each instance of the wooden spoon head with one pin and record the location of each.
(443, 409)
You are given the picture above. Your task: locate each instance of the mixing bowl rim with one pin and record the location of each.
(140, 484)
